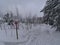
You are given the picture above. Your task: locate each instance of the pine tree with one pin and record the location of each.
(52, 13)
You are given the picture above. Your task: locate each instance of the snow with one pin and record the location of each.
(39, 34)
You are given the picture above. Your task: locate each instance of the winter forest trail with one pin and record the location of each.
(38, 35)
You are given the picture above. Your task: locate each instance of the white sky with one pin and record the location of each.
(24, 6)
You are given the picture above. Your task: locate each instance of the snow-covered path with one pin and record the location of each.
(38, 35)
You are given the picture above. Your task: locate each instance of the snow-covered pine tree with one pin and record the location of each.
(8, 18)
(52, 13)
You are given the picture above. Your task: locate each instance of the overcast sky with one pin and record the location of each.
(24, 6)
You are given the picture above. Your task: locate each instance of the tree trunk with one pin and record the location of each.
(16, 31)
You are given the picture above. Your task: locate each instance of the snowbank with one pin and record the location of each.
(41, 34)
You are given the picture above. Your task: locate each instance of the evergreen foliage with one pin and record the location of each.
(52, 13)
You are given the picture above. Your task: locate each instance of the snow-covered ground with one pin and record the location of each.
(39, 34)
